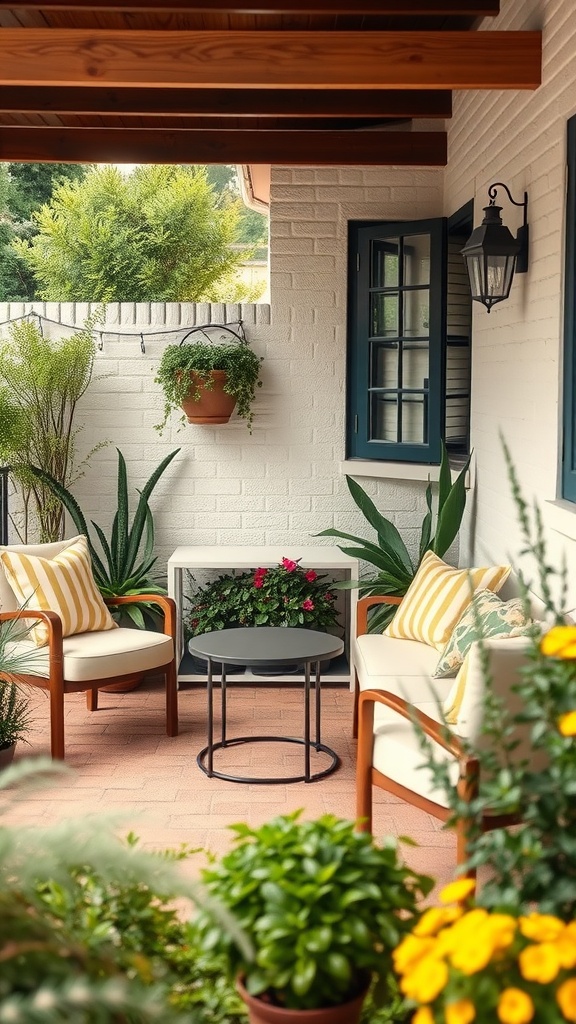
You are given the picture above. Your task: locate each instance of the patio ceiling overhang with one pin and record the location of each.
(281, 81)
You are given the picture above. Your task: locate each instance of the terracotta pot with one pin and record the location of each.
(125, 685)
(214, 405)
(260, 1012)
(6, 755)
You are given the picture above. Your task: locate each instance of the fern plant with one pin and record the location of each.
(389, 554)
(124, 565)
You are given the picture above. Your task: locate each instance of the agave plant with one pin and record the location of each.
(119, 572)
(389, 555)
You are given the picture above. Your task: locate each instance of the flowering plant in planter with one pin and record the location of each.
(462, 964)
(284, 595)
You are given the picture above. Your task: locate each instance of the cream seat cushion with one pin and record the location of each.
(403, 667)
(104, 655)
(398, 755)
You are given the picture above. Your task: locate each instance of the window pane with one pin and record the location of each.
(416, 313)
(384, 418)
(385, 365)
(414, 417)
(384, 316)
(417, 259)
(415, 366)
(385, 263)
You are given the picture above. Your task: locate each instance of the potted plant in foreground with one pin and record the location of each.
(323, 907)
(208, 381)
(14, 709)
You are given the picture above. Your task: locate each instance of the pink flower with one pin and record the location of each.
(308, 605)
(311, 575)
(289, 564)
(258, 581)
(260, 572)
(329, 597)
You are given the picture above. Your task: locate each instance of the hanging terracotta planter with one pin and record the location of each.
(214, 405)
(261, 1012)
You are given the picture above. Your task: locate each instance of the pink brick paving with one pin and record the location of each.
(124, 763)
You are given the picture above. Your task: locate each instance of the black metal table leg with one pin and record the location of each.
(210, 749)
(307, 722)
(318, 703)
(223, 703)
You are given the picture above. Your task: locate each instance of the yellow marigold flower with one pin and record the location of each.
(501, 928)
(566, 998)
(566, 946)
(462, 1011)
(559, 642)
(436, 918)
(539, 963)
(541, 927)
(567, 723)
(472, 956)
(462, 931)
(426, 981)
(423, 1015)
(410, 951)
(514, 1007)
(458, 890)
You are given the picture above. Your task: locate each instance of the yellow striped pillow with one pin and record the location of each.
(63, 584)
(437, 597)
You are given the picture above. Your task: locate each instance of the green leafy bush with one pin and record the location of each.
(322, 906)
(285, 595)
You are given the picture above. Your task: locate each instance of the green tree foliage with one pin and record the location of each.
(23, 189)
(160, 233)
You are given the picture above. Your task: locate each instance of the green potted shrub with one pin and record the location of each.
(388, 553)
(323, 908)
(14, 708)
(208, 381)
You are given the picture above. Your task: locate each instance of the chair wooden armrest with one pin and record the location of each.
(367, 602)
(167, 604)
(53, 624)
(436, 731)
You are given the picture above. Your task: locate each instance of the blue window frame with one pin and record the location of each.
(408, 340)
(569, 445)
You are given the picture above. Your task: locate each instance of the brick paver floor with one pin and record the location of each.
(121, 761)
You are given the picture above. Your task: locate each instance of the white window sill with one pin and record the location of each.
(395, 470)
(560, 516)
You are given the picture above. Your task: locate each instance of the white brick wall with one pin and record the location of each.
(520, 139)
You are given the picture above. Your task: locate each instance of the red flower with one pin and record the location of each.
(308, 605)
(329, 597)
(260, 572)
(258, 581)
(311, 575)
(289, 564)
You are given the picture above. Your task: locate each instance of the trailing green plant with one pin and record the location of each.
(239, 362)
(283, 595)
(322, 906)
(389, 554)
(124, 565)
(534, 864)
(88, 927)
(41, 382)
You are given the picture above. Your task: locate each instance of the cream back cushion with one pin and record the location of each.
(63, 584)
(436, 598)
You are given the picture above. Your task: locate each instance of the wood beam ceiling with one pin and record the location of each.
(336, 103)
(340, 148)
(474, 8)
(267, 59)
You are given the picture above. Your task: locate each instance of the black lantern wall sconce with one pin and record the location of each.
(492, 253)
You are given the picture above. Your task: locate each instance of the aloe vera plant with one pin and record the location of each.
(122, 569)
(389, 554)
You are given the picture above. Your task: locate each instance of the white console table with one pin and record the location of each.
(225, 559)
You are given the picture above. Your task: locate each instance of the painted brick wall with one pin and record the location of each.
(520, 139)
(282, 483)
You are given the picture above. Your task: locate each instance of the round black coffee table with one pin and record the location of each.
(265, 645)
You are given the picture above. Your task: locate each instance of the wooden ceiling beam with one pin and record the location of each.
(122, 145)
(475, 8)
(335, 103)
(268, 59)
